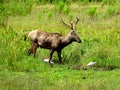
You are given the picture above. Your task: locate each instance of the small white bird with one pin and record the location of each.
(90, 64)
(47, 60)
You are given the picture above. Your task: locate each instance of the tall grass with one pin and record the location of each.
(100, 43)
(100, 40)
(13, 8)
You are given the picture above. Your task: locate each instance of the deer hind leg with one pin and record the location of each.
(59, 56)
(32, 49)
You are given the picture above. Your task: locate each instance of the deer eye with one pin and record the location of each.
(74, 33)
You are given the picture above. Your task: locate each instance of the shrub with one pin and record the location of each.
(70, 16)
(13, 8)
(66, 10)
(111, 10)
(109, 2)
(61, 6)
(39, 16)
(92, 11)
(50, 14)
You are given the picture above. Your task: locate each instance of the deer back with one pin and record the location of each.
(44, 39)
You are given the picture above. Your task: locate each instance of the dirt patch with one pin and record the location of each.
(96, 68)
(107, 68)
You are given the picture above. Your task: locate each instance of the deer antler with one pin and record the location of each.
(71, 24)
(77, 20)
(71, 27)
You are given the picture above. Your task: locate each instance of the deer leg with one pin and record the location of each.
(59, 56)
(51, 53)
(29, 51)
(34, 49)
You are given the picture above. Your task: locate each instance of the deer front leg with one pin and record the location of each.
(51, 53)
(59, 56)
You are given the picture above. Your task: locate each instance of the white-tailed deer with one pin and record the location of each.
(53, 41)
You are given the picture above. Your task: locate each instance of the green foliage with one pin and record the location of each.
(54, 1)
(60, 79)
(111, 2)
(61, 6)
(70, 16)
(92, 11)
(50, 14)
(14, 8)
(66, 10)
(86, 1)
(89, 49)
(39, 16)
(104, 56)
(96, 0)
(111, 10)
(100, 42)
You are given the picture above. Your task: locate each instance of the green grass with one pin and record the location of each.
(100, 36)
(61, 79)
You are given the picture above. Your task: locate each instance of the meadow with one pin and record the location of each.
(99, 30)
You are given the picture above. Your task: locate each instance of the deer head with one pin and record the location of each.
(72, 34)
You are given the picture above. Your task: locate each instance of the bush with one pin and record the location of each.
(66, 10)
(109, 2)
(50, 14)
(14, 8)
(92, 11)
(111, 10)
(61, 6)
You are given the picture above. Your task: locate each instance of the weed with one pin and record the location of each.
(70, 16)
(61, 6)
(110, 10)
(50, 14)
(92, 11)
(66, 10)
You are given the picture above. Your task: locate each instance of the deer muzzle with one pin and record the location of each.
(78, 40)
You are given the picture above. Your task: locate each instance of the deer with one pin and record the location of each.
(53, 41)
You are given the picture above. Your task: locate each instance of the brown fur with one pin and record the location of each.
(51, 41)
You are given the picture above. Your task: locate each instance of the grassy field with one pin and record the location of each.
(99, 29)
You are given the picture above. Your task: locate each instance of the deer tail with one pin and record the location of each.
(25, 36)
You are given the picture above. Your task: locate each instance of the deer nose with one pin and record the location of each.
(79, 41)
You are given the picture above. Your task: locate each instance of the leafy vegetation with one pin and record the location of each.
(13, 8)
(100, 43)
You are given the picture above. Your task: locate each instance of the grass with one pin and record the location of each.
(60, 79)
(100, 43)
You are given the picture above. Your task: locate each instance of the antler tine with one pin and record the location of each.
(77, 20)
(71, 27)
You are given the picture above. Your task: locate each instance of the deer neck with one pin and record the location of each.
(66, 40)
